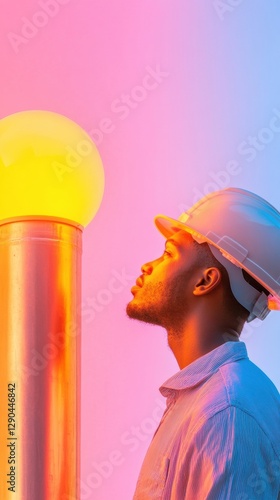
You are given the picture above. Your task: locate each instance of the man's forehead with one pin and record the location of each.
(181, 238)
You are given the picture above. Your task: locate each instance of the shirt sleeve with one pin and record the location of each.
(229, 457)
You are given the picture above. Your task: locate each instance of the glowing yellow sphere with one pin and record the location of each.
(49, 166)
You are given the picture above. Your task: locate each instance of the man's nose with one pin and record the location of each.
(147, 268)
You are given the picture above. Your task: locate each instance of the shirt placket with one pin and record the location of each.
(171, 399)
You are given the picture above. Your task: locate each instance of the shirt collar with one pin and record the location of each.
(203, 367)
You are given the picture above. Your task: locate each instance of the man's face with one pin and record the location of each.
(163, 295)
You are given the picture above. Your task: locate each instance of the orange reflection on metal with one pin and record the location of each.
(40, 344)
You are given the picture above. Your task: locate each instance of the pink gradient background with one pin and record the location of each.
(221, 86)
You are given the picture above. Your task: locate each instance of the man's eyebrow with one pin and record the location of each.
(173, 242)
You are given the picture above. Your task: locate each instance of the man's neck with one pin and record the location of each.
(190, 344)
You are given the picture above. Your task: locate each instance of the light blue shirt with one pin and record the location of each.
(219, 437)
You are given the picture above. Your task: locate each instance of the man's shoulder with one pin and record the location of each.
(245, 390)
(239, 384)
(247, 386)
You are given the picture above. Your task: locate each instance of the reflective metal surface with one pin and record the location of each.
(40, 341)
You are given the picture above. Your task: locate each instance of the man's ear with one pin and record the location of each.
(208, 281)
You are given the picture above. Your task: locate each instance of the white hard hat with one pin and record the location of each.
(243, 232)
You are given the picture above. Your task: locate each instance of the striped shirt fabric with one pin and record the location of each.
(219, 437)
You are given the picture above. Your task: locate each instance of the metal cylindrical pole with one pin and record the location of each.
(40, 326)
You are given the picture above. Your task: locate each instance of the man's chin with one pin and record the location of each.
(134, 311)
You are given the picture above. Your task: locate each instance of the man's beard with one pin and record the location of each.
(161, 304)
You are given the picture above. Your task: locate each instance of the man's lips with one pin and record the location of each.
(139, 284)
(139, 281)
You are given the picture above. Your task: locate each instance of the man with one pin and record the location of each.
(219, 437)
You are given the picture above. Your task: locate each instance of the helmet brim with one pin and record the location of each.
(168, 226)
